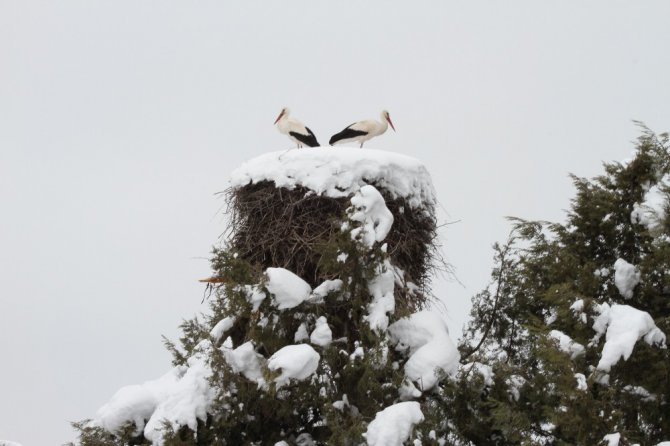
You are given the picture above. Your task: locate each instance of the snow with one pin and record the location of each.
(483, 370)
(566, 344)
(612, 439)
(623, 326)
(301, 334)
(602, 272)
(581, 381)
(341, 172)
(281, 443)
(305, 439)
(358, 352)
(626, 277)
(551, 317)
(288, 289)
(393, 425)
(319, 294)
(9, 443)
(640, 391)
(136, 403)
(322, 335)
(298, 362)
(431, 349)
(341, 404)
(577, 306)
(180, 398)
(189, 401)
(514, 384)
(255, 295)
(344, 403)
(369, 209)
(408, 391)
(651, 212)
(221, 328)
(383, 300)
(245, 360)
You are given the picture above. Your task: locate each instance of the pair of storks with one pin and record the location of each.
(360, 131)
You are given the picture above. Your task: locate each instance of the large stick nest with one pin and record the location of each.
(278, 227)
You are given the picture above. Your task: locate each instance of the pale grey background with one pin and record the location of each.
(119, 120)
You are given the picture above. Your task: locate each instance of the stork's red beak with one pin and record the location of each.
(278, 117)
(388, 118)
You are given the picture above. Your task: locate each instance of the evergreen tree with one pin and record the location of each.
(313, 336)
(335, 354)
(546, 352)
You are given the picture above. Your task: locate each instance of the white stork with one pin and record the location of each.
(295, 129)
(363, 130)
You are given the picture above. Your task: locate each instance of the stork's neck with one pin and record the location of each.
(283, 122)
(385, 124)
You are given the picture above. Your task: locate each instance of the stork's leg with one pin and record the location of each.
(362, 144)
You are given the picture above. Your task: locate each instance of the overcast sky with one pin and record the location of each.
(120, 120)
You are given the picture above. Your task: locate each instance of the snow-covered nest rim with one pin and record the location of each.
(339, 172)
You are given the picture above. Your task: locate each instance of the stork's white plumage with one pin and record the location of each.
(362, 131)
(295, 129)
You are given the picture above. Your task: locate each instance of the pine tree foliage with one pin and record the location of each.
(518, 384)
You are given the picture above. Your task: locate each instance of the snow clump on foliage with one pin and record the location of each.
(180, 398)
(393, 425)
(626, 277)
(297, 362)
(623, 326)
(432, 352)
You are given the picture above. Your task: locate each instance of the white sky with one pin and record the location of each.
(120, 120)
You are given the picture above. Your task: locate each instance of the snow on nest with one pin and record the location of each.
(9, 443)
(340, 172)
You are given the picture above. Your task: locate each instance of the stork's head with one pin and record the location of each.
(284, 112)
(385, 115)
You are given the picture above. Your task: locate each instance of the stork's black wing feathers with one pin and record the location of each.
(346, 134)
(308, 140)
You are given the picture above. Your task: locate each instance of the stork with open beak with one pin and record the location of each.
(295, 129)
(362, 131)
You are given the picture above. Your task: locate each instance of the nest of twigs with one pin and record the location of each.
(272, 226)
